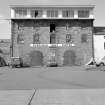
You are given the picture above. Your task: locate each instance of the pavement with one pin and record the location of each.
(52, 86)
(14, 97)
(53, 97)
(52, 78)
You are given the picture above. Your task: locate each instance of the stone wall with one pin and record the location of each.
(82, 50)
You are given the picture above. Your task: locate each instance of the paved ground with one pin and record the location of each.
(14, 97)
(53, 97)
(51, 78)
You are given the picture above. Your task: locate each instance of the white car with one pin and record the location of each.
(100, 62)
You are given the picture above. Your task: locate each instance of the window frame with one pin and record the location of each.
(84, 39)
(83, 13)
(38, 11)
(52, 13)
(20, 38)
(20, 13)
(68, 38)
(36, 38)
(68, 13)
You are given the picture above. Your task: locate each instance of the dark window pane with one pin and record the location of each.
(36, 13)
(52, 38)
(83, 13)
(20, 12)
(36, 38)
(68, 13)
(84, 38)
(68, 38)
(20, 38)
(52, 13)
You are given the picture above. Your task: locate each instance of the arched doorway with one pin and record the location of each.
(2, 62)
(36, 58)
(69, 58)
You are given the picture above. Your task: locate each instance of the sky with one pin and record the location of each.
(5, 26)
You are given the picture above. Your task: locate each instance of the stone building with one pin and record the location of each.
(52, 34)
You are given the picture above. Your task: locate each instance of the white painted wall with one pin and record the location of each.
(99, 50)
(12, 13)
(91, 15)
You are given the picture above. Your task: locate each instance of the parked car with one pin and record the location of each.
(16, 62)
(100, 62)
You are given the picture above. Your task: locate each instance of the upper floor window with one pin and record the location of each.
(36, 38)
(36, 13)
(84, 38)
(83, 13)
(20, 12)
(20, 38)
(52, 13)
(52, 38)
(68, 13)
(68, 38)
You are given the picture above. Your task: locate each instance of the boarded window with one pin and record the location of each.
(36, 38)
(52, 13)
(83, 13)
(20, 13)
(20, 38)
(68, 38)
(36, 13)
(68, 13)
(84, 38)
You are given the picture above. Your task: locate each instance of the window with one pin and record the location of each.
(36, 13)
(52, 38)
(20, 13)
(68, 13)
(84, 38)
(52, 13)
(36, 38)
(68, 38)
(52, 27)
(83, 13)
(20, 38)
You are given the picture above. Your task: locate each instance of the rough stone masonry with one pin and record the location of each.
(72, 36)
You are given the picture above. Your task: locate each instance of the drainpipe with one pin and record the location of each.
(93, 43)
(11, 47)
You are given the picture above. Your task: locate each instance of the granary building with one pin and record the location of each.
(52, 34)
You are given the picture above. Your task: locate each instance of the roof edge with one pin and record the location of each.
(75, 6)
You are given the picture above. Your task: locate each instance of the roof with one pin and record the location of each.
(99, 30)
(75, 6)
(50, 3)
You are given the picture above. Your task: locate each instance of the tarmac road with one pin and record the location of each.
(51, 78)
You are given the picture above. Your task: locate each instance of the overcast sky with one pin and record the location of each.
(5, 11)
